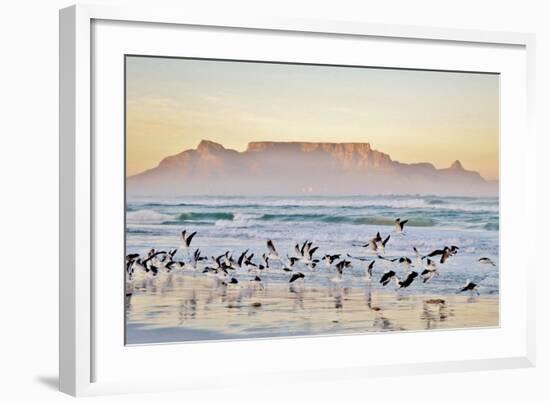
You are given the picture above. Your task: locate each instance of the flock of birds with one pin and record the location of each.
(228, 270)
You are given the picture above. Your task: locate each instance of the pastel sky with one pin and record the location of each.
(414, 116)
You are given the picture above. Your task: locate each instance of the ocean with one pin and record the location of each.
(335, 225)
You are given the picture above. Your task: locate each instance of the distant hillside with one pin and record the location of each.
(298, 168)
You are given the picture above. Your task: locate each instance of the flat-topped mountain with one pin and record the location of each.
(299, 168)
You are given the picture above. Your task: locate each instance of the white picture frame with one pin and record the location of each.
(84, 353)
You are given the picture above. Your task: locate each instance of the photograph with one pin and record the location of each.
(261, 201)
(273, 199)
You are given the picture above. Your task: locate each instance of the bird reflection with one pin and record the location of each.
(190, 307)
(338, 301)
(298, 297)
(382, 323)
(433, 312)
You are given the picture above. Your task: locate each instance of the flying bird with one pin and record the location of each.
(287, 267)
(301, 251)
(405, 262)
(248, 261)
(372, 244)
(408, 280)
(273, 254)
(296, 276)
(339, 272)
(340, 266)
(174, 265)
(187, 238)
(241, 258)
(305, 253)
(400, 225)
(343, 264)
(382, 244)
(427, 275)
(376, 243)
(152, 256)
(386, 277)
(429, 272)
(469, 286)
(360, 258)
(330, 259)
(486, 261)
(368, 271)
(445, 253)
(132, 256)
(197, 258)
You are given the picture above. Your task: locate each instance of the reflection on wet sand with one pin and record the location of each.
(188, 307)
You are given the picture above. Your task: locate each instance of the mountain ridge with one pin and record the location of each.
(295, 168)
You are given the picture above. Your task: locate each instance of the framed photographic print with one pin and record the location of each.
(232, 189)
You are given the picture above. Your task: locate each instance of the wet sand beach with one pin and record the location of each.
(191, 307)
